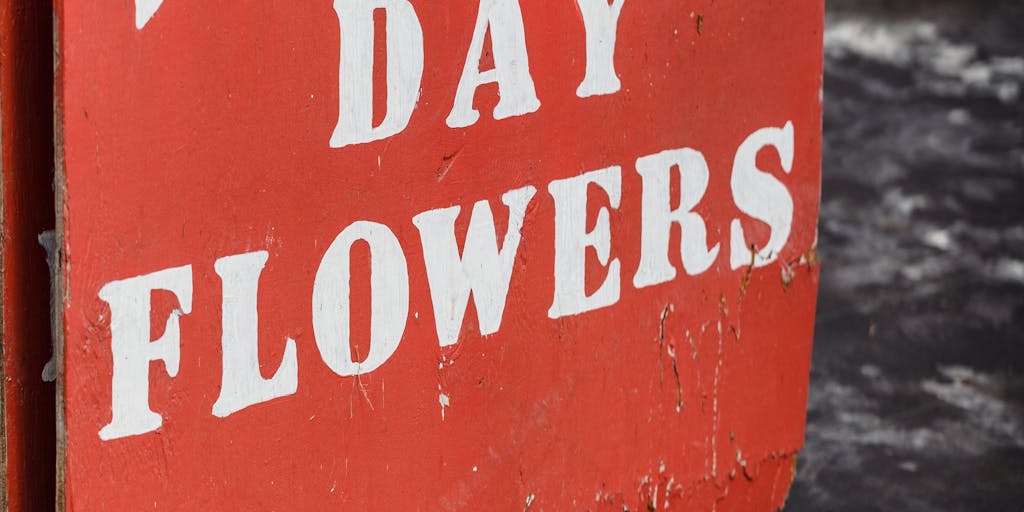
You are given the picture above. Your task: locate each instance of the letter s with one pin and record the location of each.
(762, 196)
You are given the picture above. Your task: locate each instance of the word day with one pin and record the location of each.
(502, 20)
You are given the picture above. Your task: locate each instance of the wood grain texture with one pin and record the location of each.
(26, 142)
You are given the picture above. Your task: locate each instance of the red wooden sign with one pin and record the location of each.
(403, 255)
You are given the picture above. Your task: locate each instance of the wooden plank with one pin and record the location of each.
(273, 215)
(26, 143)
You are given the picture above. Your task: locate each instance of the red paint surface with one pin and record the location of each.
(206, 134)
(26, 99)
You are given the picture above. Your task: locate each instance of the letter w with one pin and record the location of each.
(482, 268)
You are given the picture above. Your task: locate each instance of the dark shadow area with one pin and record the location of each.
(27, 402)
(917, 383)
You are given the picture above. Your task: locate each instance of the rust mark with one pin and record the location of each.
(657, 488)
(742, 463)
(748, 273)
(700, 24)
(679, 385)
(787, 274)
(751, 471)
(736, 334)
(661, 345)
(723, 309)
(808, 259)
(671, 349)
(675, 371)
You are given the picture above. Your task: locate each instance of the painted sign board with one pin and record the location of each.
(409, 255)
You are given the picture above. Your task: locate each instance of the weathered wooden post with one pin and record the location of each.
(27, 412)
(402, 255)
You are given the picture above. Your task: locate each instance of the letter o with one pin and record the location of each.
(389, 298)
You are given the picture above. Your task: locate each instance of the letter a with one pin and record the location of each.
(511, 65)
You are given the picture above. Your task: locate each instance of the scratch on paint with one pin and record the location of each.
(675, 490)
(787, 274)
(679, 385)
(675, 371)
(359, 383)
(446, 164)
(736, 329)
(671, 349)
(444, 400)
(661, 344)
(809, 258)
(714, 403)
(748, 273)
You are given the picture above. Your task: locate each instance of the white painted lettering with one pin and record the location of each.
(600, 20)
(762, 196)
(389, 299)
(242, 384)
(657, 216)
(133, 350)
(355, 79)
(572, 240)
(482, 269)
(504, 20)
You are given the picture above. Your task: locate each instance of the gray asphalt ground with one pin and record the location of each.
(917, 385)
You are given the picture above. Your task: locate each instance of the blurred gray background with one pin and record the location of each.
(917, 384)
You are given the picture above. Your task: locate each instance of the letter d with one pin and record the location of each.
(355, 74)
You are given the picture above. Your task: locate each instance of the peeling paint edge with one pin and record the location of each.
(59, 275)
